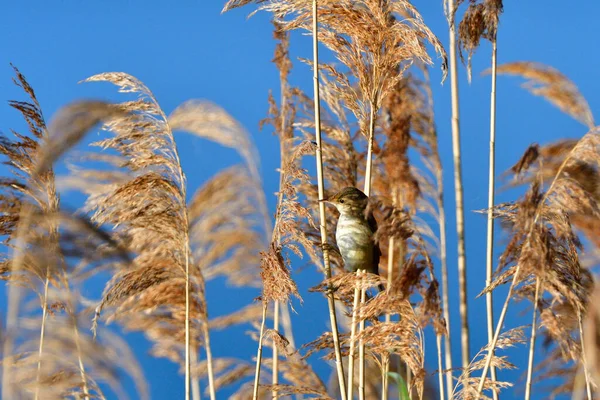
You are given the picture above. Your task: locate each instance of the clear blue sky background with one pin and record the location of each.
(187, 49)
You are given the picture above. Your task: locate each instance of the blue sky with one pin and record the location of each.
(187, 49)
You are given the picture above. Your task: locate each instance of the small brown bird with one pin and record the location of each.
(355, 230)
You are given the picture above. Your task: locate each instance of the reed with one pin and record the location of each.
(158, 246)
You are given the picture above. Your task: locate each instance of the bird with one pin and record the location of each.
(355, 231)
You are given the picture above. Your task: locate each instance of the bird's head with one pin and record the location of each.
(349, 200)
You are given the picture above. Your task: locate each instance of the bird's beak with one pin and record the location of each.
(329, 200)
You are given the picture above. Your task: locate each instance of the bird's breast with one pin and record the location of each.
(355, 241)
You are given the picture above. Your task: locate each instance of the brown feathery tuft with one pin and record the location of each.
(480, 21)
(549, 83)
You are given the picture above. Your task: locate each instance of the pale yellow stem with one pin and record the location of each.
(532, 341)
(409, 382)
(42, 334)
(275, 358)
(385, 383)
(369, 166)
(490, 216)
(209, 362)
(259, 352)
(187, 325)
(458, 188)
(195, 379)
(445, 290)
(353, 337)
(438, 339)
(588, 385)
(390, 275)
(322, 219)
(361, 345)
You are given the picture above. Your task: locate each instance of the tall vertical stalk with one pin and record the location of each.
(187, 323)
(385, 384)
(275, 357)
(458, 189)
(367, 191)
(588, 385)
(361, 343)
(42, 333)
(390, 277)
(409, 381)
(209, 363)
(372, 118)
(195, 379)
(259, 352)
(186, 239)
(438, 339)
(86, 391)
(490, 216)
(532, 341)
(492, 344)
(322, 219)
(71, 307)
(445, 290)
(353, 336)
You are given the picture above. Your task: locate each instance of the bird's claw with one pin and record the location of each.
(328, 247)
(331, 290)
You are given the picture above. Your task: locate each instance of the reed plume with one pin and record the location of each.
(544, 243)
(53, 250)
(143, 197)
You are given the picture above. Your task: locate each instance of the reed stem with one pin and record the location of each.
(275, 358)
(259, 352)
(353, 336)
(490, 215)
(361, 343)
(532, 341)
(322, 218)
(588, 384)
(438, 340)
(458, 190)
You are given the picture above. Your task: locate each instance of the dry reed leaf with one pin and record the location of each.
(237, 373)
(552, 85)
(325, 342)
(251, 312)
(275, 274)
(289, 390)
(59, 246)
(140, 192)
(60, 373)
(300, 374)
(27, 191)
(280, 342)
(544, 244)
(466, 387)
(225, 230)
(69, 126)
(209, 121)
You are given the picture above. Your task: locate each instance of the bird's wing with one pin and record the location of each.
(376, 250)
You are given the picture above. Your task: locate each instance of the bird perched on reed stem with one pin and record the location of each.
(355, 231)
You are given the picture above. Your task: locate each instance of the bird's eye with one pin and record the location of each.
(342, 201)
